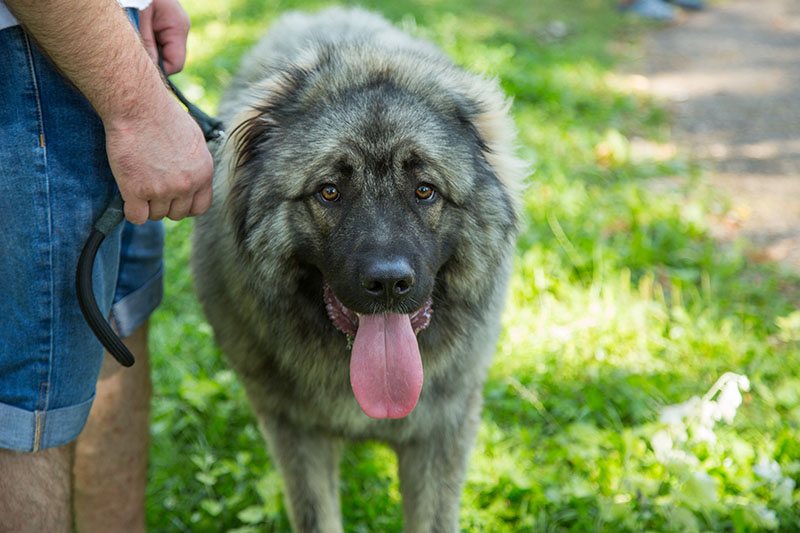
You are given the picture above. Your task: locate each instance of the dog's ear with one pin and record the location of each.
(272, 97)
(253, 129)
(491, 118)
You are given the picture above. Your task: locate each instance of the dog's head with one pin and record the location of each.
(383, 171)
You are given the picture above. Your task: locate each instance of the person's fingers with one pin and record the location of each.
(136, 211)
(173, 54)
(159, 209)
(146, 31)
(171, 27)
(180, 207)
(202, 201)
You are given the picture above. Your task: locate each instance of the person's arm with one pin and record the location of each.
(157, 153)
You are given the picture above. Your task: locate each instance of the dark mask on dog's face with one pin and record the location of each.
(380, 249)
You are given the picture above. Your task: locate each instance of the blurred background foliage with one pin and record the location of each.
(600, 413)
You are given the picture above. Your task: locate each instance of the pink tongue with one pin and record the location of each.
(385, 366)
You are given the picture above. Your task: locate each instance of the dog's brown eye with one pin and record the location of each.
(424, 191)
(329, 193)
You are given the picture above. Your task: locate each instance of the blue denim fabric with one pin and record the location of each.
(140, 282)
(54, 183)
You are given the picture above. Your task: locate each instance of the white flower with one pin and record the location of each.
(698, 415)
(663, 446)
(729, 401)
(675, 414)
(768, 470)
(705, 434)
(744, 383)
(661, 443)
(708, 413)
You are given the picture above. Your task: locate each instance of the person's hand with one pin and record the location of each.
(157, 153)
(161, 163)
(164, 26)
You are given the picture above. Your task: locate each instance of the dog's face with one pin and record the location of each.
(383, 215)
(382, 190)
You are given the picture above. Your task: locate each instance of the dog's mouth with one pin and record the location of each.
(385, 364)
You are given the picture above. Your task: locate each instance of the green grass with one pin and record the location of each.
(621, 304)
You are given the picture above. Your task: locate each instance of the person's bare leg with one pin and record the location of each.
(110, 472)
(35, 491)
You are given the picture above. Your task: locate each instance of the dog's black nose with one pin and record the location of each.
(388, 281)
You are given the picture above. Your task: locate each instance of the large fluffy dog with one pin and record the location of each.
(361, 237)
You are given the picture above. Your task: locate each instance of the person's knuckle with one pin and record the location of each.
(184, 185)
(146, 191)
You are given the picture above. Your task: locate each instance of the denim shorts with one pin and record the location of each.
(54, 183)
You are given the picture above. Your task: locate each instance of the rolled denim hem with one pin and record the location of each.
(135, 308)
(31, 431)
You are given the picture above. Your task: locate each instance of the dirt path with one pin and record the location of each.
(732, 77)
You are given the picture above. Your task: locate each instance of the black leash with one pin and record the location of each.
(110, 219)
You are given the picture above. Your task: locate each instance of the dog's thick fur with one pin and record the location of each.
(342, 98)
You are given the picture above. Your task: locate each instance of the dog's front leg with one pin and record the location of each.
(309, 464)
(432, 472)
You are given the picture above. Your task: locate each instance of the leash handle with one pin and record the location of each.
(110, 219)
